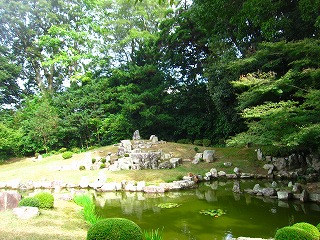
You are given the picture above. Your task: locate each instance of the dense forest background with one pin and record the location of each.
(81, 73)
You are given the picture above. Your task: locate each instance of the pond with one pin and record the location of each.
(246, 215)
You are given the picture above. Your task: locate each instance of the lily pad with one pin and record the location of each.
(168, 205)
(213, 212)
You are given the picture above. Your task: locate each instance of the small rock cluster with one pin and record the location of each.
(293, 191)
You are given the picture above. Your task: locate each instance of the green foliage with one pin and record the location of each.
(198, 142)
(115, 228)
(152, 235)
(88, 205)
(184, 141)
(293, 233)
(309, 228)
(103, 160)
(318, 226)
(81, 168)
(102, 165)
(206, 142)
(168, 205)
(196, 149)
(46, 200)
(93, 160)
(30, 202)
(213, 212)
(280, 105)
(67, 154)
(62, 150)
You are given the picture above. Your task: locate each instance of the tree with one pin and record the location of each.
(39, 122)
(9, 72)
(279, 95)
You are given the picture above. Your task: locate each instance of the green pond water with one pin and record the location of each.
(247, 215)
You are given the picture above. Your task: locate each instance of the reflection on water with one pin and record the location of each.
(247, 215)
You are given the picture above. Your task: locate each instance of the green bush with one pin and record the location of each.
(292, 233)
(62, 150)
(76, 150)
(46, 200)
(184, 141)
(309, 228)
(81, 168)
(93, 160)
(102, 165)
(29, 202)
(103, 160)
(198, 142)
(206, 142)
(115, 229)
(196, 149)
(318, 226)
(67, 155)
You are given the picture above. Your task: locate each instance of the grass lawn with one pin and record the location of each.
(65, 220)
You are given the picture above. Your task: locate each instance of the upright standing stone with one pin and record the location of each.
(136, 135)
(9, 200)
(208, 155)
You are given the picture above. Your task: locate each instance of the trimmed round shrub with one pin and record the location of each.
(115, 229)
(309, 228)
(29, 202)
(292, 233)
(46, 200)
(67, 155)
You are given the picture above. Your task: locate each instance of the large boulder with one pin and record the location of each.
(279, 163)
(175, 162)
(165, 165)
(9, 200)
(136, 135)
(26, 212)
(208, 155)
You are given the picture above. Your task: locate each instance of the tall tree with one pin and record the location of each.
(9, 72)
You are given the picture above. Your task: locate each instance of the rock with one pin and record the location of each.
(231, 176)
(197, 158)
(26, 212)
(126, 144)
(259, 154)
(154, 139)
(222, 174)
(153, 189)
(208, 155)
(141, 185)
(214, 172)
(9, 200)
(84, 182)
(268, 192)
(274, 184)
(284, 195)
(304, 196)
(136, 135)
(256, 188)
(227, 164)
(111, 186)
(165, 165)
(314, 197)
(237, 170)
(13, 184)
(279, 163)
(269, 167)
(296, 188)
(290, 184)
(175, 162)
